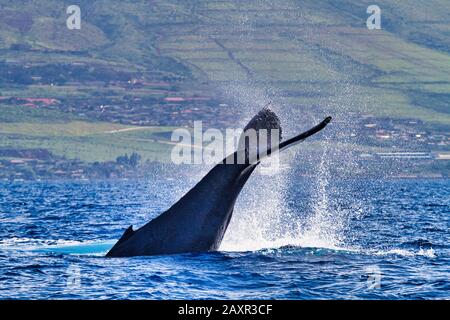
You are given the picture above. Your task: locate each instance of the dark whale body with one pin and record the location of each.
(198, 221)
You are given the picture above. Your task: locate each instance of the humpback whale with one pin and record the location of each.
(198, 221)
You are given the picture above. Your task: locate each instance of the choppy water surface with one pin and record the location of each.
(316, 239)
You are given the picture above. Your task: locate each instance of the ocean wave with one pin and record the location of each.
(429, 253)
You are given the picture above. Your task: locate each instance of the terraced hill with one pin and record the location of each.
(168, 62)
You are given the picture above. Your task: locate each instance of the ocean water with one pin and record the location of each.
(301, 238)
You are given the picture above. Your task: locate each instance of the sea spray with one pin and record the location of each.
(324, 226)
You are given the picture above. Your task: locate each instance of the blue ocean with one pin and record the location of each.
(291, 237)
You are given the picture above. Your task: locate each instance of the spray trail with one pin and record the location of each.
(325, 226)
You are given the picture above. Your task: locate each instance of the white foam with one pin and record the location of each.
(302, 241)
(30, 243)
(429, 253)
(262, 220)
(59, 245)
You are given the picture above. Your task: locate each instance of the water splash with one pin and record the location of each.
(263, 220)
(262, 217)
(258, 219)
(325, 226)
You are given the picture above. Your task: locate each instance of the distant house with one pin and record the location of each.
(46, 101)
(174, 99)
(443, 156)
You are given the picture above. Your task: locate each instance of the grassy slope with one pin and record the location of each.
(110, 36)
(391, 72)
(78, 139)
(315, 53)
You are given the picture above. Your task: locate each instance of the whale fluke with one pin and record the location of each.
(198, 221)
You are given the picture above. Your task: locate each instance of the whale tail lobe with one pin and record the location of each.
(267, 137)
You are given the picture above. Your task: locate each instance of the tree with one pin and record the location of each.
(123, 160)
(134, 159)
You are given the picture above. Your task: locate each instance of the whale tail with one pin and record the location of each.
(262, 136)
(198, 221)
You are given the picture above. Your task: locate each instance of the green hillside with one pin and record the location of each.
(312, 55)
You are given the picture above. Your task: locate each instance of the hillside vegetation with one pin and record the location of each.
(310, 56)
